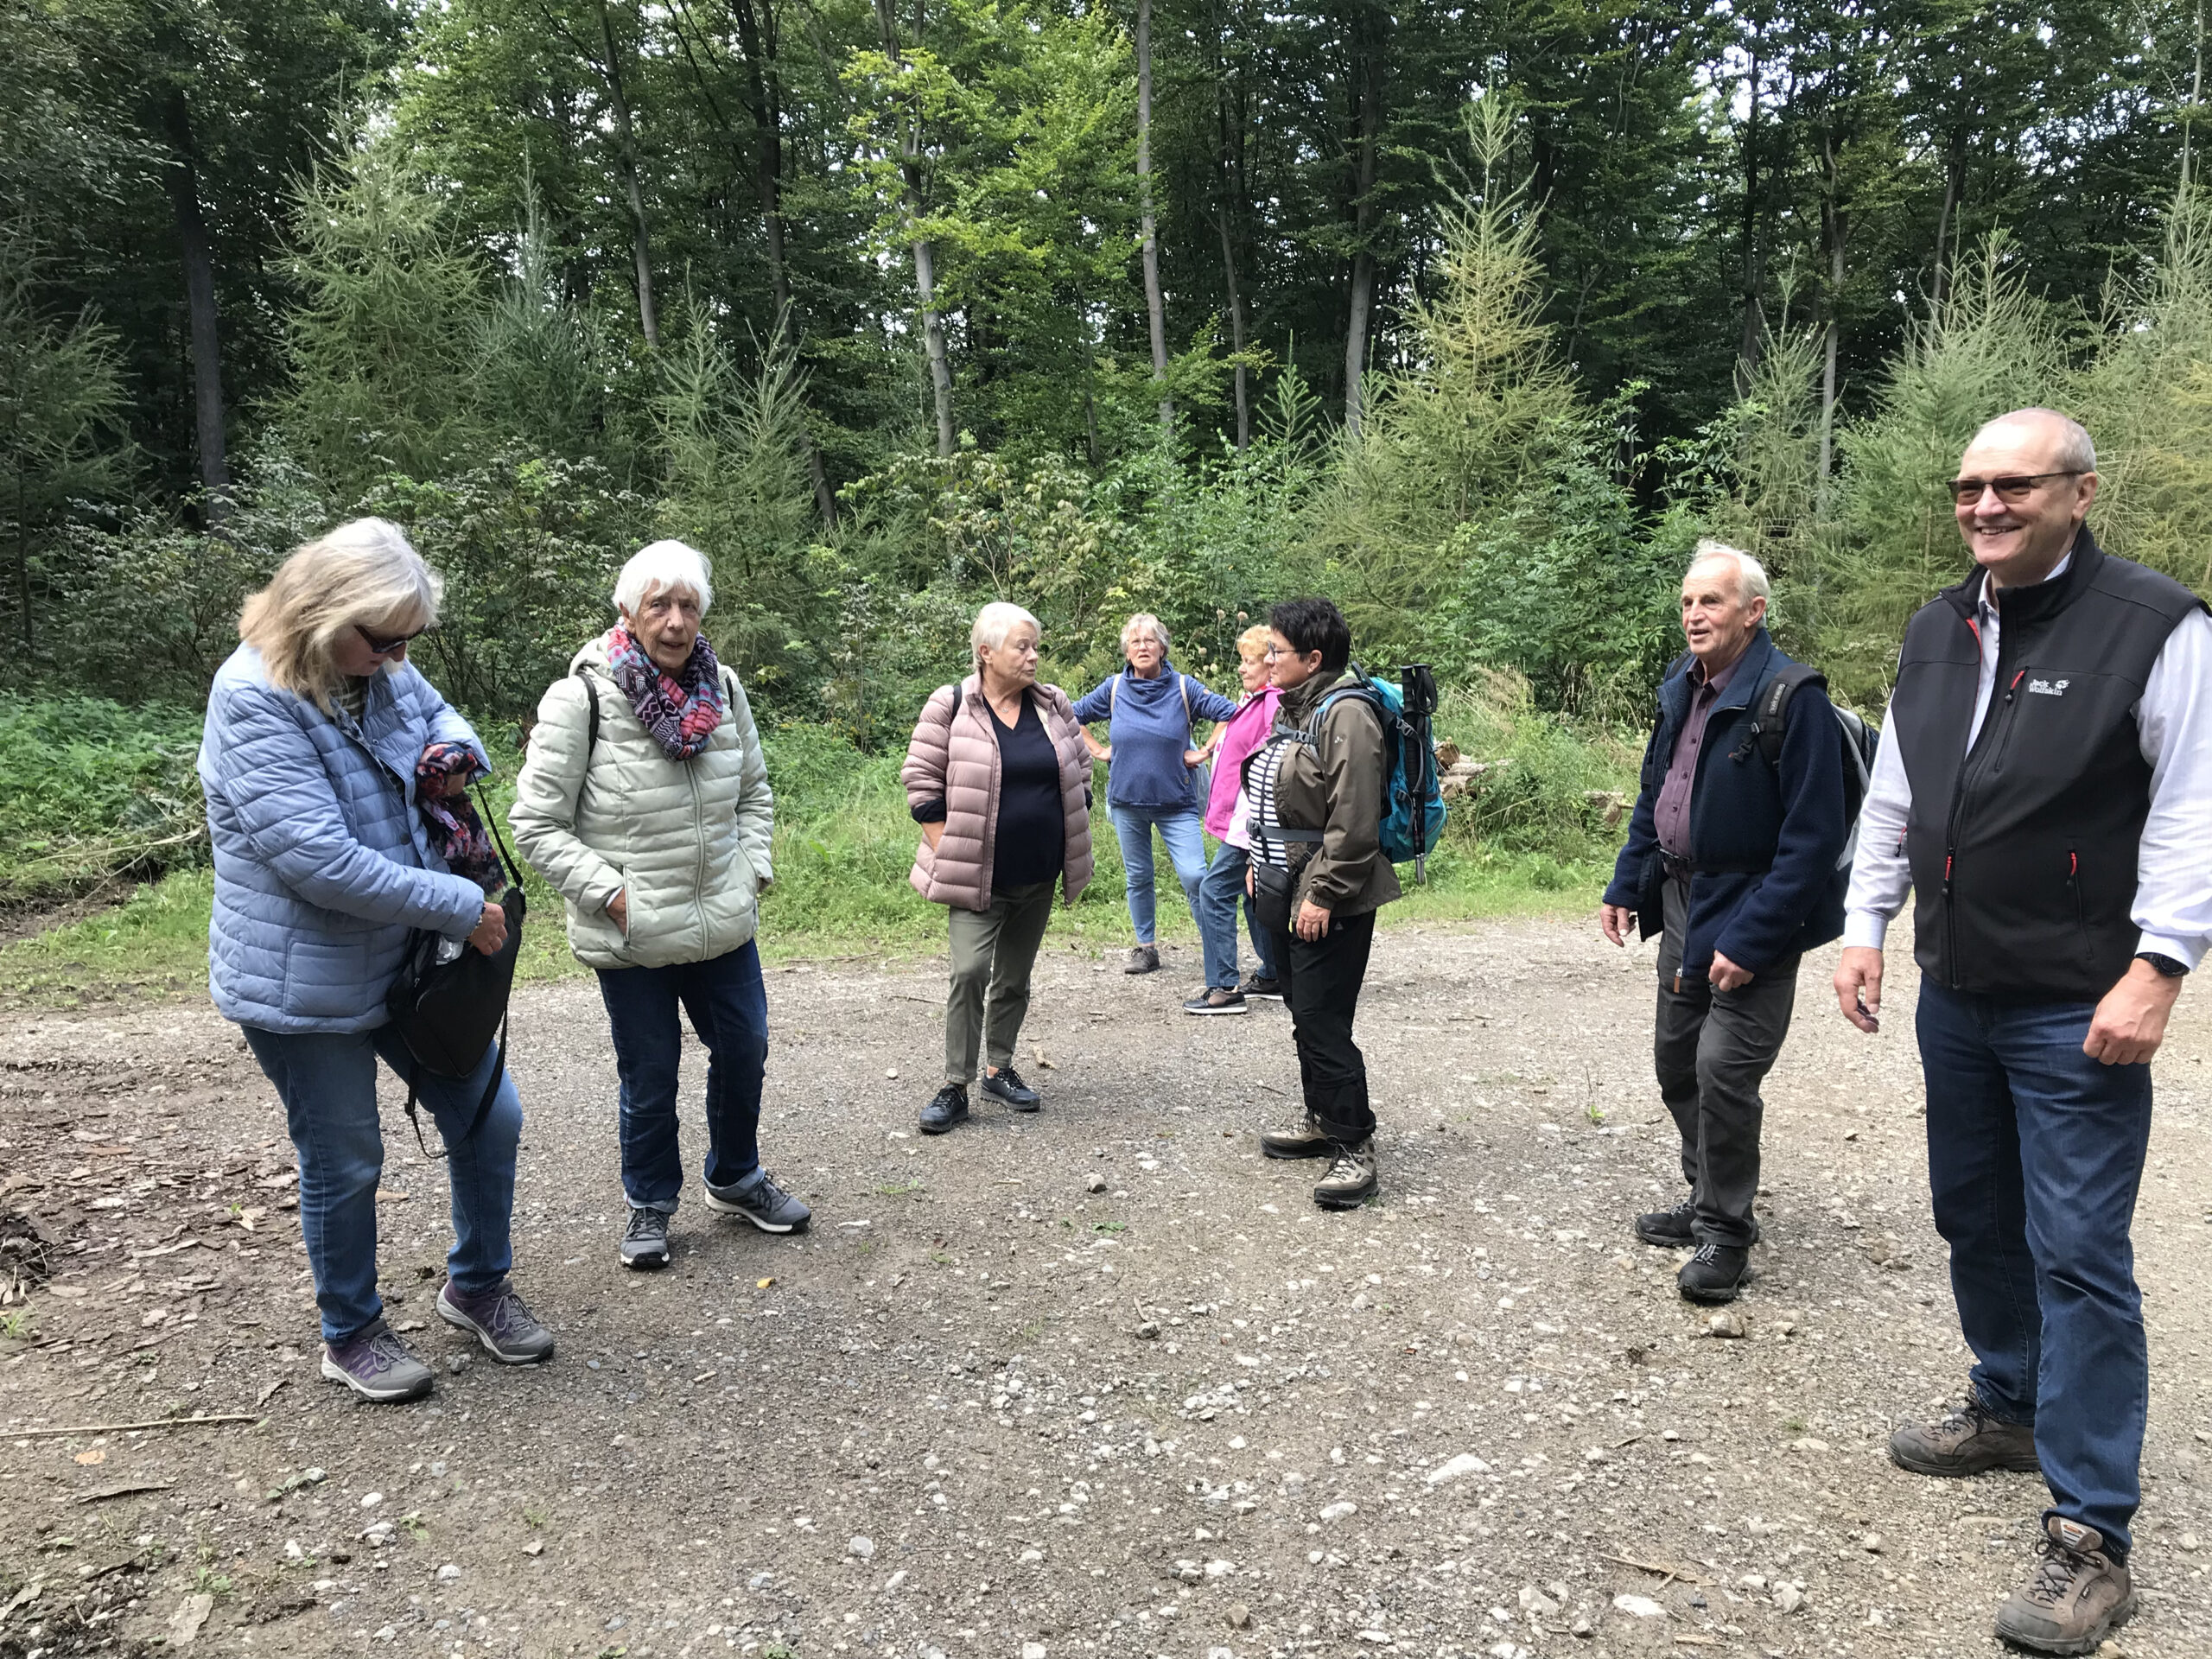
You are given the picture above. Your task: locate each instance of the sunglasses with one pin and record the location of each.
(2012, 489)
(387, 646)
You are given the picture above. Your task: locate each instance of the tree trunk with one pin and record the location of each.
(1367, 122)
(625, 135)
(1753, 336)
(910, 167)
(183, 180)
(1228, 157)
(1155, 306)
(1953, 182)
(1832, 225)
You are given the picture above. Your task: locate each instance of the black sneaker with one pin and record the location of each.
(645, 1240)
(1674, 1228)
(1255, 987)
(1715, 1273)
(949, 1106)
(1005, 1084)
(1215, 1000)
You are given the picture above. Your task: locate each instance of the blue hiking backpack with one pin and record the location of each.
(1413, 796)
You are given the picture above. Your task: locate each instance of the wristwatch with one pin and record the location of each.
(2165, 965)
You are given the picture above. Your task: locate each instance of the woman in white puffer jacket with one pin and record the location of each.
(644, 804)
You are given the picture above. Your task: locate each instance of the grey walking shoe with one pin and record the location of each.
(761, 1201)
(2076, 1596)
(1307, 1141)
(1143, 959)
(1969, 1441)
(376, 1365)
(645, 1240)
(509, 1332)
(1351, 1180)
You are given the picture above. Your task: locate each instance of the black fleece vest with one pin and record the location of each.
(2024, 848)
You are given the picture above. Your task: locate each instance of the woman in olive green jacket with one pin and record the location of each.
(644, 804)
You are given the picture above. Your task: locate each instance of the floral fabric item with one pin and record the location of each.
(455, 830)
(680, 710)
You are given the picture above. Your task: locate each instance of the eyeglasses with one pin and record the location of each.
(387, 646)
(2012, 489)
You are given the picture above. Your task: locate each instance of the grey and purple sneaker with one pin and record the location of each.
(509, 1332)
(375, 1364)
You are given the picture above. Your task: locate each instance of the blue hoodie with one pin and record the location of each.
(1149, 733)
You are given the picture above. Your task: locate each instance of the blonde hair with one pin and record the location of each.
(1145, 622)
(663, 567)
(364, 574)
(993, 623)
(1253, 642)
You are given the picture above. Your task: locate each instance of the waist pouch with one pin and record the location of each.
(1272, 887)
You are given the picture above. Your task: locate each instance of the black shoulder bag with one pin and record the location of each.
(449, 1013)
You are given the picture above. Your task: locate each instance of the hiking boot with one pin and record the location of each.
(2076, 1596)
(761, 1201)
(1143, 959)
(1305, 1142)
(1005, 1084)
(1715, 1273)
(1215, 1000)
(510, 1333)
(645, 1240)
(1351, 1180)
(376, 1365)
(1674, 1228)
(1969, 1441)
(949, 1106)
(1255, 986)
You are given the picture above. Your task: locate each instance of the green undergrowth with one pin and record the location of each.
(1529, 840)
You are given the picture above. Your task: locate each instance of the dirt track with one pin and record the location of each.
(948, 1368)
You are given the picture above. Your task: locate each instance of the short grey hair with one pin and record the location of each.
(662, 566)
(1750, 573)
(1145, 622)
(2078, 451)
(993, 623)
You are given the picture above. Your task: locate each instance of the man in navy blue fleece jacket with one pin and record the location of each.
(1735, 861)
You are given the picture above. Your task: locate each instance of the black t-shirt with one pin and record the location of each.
(1033, 826)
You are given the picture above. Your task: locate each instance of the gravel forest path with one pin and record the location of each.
(984, 1409)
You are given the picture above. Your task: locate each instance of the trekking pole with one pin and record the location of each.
(1417, 690)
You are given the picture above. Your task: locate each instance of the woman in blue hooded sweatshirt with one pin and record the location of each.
(1151, 753)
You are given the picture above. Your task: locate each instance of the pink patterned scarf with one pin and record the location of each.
(681, 710)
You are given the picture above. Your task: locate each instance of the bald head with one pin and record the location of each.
(2063, 441)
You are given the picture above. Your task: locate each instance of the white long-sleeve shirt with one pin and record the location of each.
(2173, 867)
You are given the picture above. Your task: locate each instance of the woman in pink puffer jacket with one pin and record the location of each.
(998, 776)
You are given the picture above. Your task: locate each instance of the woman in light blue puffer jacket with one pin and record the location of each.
(323, 868)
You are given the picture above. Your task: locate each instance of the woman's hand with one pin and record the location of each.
(490, 932)
(1193, 759)
(1098, 750)
(1312, 921)
(933, 833)
(618, 910)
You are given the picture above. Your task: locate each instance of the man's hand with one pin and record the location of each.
(618, 910)
(1312, 921)
(1858, 986)
(2131, 1022)
(492, 932)
(1726, 976)
(933, 833)
(1614, 921)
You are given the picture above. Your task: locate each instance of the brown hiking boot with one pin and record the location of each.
(1969, 1441)
(1307, 1141)
(1351, 1180)
(2075, 1598)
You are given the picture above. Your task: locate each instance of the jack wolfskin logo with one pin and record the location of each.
(2050, 688)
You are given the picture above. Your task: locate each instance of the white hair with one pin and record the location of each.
(1142, 623)
(993, 623)
(2078, 451)
(663, 567)
(1750, 573)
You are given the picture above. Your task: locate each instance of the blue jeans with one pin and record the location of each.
(1184, 831)
(729, 1006)
(1219, 895)
(328, 1081)
(2035, 1152)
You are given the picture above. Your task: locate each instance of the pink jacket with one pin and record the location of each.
(952, 769)
(1244, 732)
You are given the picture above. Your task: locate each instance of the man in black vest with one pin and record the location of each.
(2043, 784)
(1732, 855)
